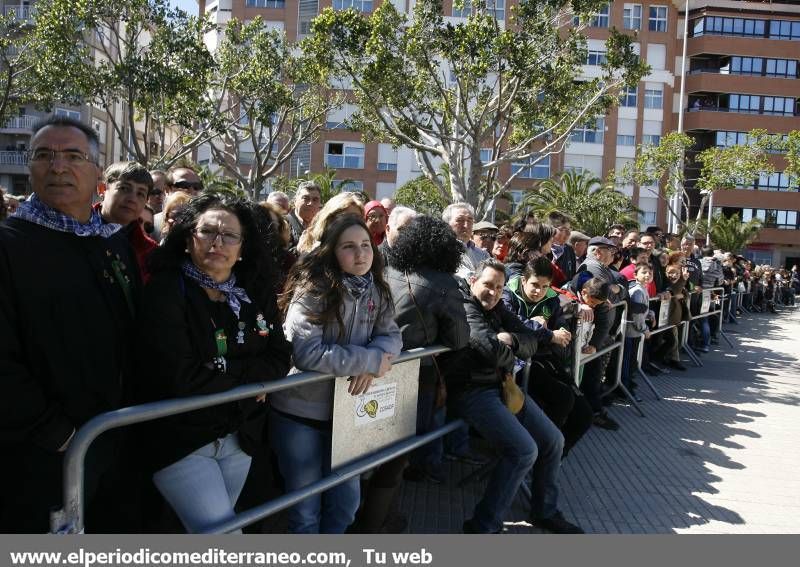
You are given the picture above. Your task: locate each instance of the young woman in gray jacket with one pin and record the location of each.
(340, 320)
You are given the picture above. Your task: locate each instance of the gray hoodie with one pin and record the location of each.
(370, 331)
(712, 272)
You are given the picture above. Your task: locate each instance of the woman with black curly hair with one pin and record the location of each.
(208, 322)
(429, 308)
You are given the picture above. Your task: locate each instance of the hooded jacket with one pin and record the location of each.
(548, 307)
(370, 331)
(712, 271)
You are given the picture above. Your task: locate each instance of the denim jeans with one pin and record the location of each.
(528, 439)
(304, 457)
(203, 486)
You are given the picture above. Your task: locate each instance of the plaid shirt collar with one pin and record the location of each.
(35, 211)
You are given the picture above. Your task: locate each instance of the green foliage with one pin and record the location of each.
(592, 204)
(731, 234)
(792, 147)
(448, 89)
(422, 195)
(272, 99)
(327, 183)
(216, 182)
(16, 61)
(142, 53)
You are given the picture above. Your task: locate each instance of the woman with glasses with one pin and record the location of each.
(208, 323)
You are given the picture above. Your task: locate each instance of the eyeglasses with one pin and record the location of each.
(376, 217)
(211, 235)
(484, 236)
(190, 185)
(46, 155)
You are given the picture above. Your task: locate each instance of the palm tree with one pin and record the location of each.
(593, 204)
(733, 235)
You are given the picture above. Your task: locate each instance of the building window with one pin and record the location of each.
(344, 155)
(601, 19)
(744, 103)
(747, 65)
(653, 98)
(783, 106)
(651, 139)
(782, 29)
(626, 140)
(539, 170)
(658, 18)
(348, 184)
(499, 7)
(772, 218)
(647, 217)
(777, 181)
(66, 113)
(596, 57)
(781, 68)
(726, 139)
(266, 3)
(357, 5)
(718, 25)
(632, 16)
(629, 97)
(589, 133)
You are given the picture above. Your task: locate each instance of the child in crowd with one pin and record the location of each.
(340, 319)
(637, 325)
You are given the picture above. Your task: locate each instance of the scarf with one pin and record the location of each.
(357, 285)
(35, 211)
(557, 250)
(233, 295)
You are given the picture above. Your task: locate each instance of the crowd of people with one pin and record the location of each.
(162, 290)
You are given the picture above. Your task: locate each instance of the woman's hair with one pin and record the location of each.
(335, 206)
(279, 223)
(255, 272)
(174, 203)
(675, 258)
(527, 244)
(426, 242)
(318, 275)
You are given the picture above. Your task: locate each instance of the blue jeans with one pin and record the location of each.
(528, 439)
(304, 457)
(203, 486)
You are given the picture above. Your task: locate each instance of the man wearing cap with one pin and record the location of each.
(579, 243)
(376, 218)
(484, 234)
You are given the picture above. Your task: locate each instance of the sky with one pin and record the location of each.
(189, 6)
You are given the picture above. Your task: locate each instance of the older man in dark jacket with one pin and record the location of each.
(527, 439)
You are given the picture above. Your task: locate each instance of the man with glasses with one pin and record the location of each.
(183, 179)
(484, 235)
(70, 286)
(155, 199)
(127, 187)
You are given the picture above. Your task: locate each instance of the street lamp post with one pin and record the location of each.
(675, 218)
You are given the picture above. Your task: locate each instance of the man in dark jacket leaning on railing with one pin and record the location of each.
(528, 439)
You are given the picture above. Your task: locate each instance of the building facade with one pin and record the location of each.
(742, 73)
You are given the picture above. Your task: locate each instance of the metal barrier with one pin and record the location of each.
(70, 519)
(710, 313)
(579, 359)
(640, 349)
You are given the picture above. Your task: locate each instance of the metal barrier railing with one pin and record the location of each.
(709, 313)
(655, 331)
(579, 359)
(70, 519)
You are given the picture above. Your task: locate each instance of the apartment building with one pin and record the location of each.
(742, 73)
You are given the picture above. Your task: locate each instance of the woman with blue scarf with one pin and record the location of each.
(340, 319)
(208, 323)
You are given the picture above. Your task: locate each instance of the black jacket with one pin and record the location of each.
(567, 262)
(484, 362)
(440, 311)
(176, 331)
(296, 228)
(65, 331)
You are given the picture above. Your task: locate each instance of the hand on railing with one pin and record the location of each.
(359, 384)
(561, 337)
(585, 313)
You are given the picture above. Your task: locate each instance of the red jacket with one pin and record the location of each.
(142, 244)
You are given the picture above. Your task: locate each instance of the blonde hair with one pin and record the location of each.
(174, 201)
(335, 206)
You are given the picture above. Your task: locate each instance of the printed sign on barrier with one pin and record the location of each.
(663, 313)
(706, 304)
(385, 414)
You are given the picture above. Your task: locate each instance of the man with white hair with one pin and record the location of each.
(388, 204)
(461, 218)
(399, 218)
(280, 200)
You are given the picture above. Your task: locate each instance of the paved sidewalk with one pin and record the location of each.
(719, 454)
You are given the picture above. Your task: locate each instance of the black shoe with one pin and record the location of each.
(467, 458)
(470, 527)
(557, 524)
(676, 364)
(604, 421)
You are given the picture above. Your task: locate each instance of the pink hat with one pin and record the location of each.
(374, 205)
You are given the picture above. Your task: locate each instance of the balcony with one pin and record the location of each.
(21, 13)
(21, 123)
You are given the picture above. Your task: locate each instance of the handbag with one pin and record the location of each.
(440, 398)
(513, 397)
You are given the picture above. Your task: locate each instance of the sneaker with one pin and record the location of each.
(467, 458)
(557, 524)
(604, 421)
(676, 364)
